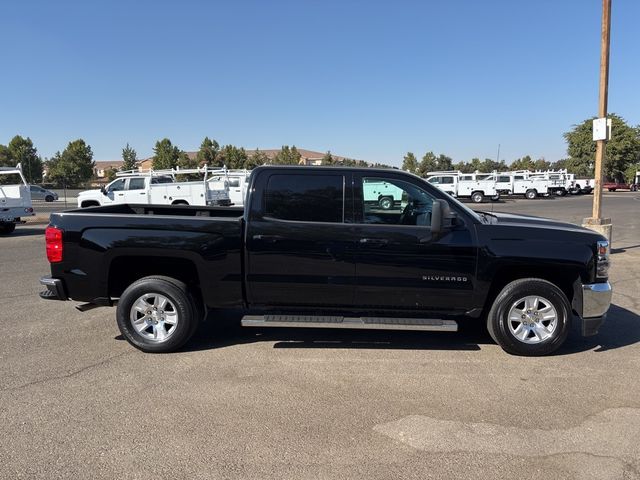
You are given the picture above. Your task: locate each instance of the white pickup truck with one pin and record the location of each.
(472, 185)
(154, 190)
(15, 199)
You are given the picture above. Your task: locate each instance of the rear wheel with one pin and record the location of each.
(495, 198)
(157, 314)
(531, 194)
(611, 189)
(561, 193)
(477, 197)
(180, 202)
(89, 204)
(6, 228)
(530, 316)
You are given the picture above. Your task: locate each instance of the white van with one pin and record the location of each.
(15, 199)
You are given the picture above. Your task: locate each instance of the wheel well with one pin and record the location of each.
(564, 280)
(125, 270)
(180, 202)
(89, 203)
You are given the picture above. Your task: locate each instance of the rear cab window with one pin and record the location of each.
(305, 198)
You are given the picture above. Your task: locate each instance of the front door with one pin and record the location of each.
(400, 264)
(299, 240)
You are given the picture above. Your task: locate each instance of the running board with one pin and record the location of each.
(368, 323)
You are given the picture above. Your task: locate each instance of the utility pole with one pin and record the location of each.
(596, 222)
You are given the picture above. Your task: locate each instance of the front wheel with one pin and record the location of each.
(530, 316)
(386, 203)
(157, 314)
(48, 198)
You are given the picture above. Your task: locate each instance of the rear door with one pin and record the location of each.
(299, 240)
(135, 191)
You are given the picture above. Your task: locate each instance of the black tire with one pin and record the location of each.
(531, 194)
(48, 198)
(180, 202)
(611, 189)
(385, 203)
(7, 228)
(477, 197)
(495, 198)
(176, 292)
(562, 193)
(499, 326)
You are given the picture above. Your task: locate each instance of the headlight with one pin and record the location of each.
(602, 259)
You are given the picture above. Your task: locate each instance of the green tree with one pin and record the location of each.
(410, 163)
(21, 151)
(429, 163)
(475, 165)
(233, 157)
(255, 159)
(73, 166)
(631, 172)
(541, 164)
(489, 165)
(524, 163)
(444, 163)
(129, 158)
(5, 158)
(287, 156)
(463, 167)
(621, 151)
(208, 153)
(110, 173)
(165, 155)
(328, 159)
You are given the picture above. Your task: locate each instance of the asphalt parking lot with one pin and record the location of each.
(78, 402)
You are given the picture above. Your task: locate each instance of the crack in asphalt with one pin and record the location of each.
(68, 375)
(617, 437)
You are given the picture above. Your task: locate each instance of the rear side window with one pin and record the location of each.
(307, 198)
(136, 184)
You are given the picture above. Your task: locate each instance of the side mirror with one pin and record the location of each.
(103, 190)
(441, 215)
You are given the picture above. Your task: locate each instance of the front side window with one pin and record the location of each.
(136, 184)
(388, 201)
(116, 186)
(307, 198)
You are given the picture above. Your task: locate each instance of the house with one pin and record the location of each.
(101, 167)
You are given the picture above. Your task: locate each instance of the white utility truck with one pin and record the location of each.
(475, 186)
(235, 181)
(157, 187)
(15, 199)
(381, 194)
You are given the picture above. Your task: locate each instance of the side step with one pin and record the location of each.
(368, 323)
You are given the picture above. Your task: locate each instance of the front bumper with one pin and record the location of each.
(592, 306)
(55, 289)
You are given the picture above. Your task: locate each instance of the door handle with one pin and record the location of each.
(374, 241)
(268, 238)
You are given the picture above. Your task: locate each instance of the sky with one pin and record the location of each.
(364, 79)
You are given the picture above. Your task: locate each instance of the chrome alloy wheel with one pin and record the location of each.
(532, 319)
(154, 317)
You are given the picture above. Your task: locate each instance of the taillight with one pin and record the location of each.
(53, 240)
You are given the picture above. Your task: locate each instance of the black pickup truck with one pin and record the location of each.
(317, 247)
